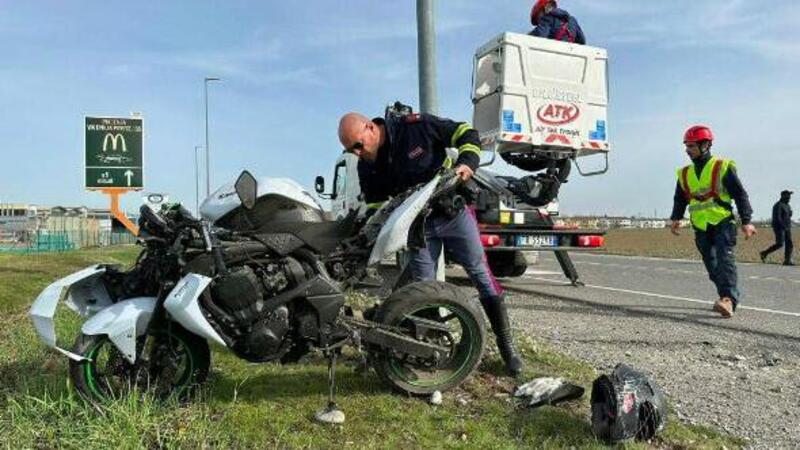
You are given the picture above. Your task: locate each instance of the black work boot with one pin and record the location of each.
(495, 308)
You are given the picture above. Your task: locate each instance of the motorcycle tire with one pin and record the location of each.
(428, 299)
(93, 385)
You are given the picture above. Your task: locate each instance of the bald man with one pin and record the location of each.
(398, 152)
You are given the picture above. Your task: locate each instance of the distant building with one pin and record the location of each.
(17, 222)
(17, 217)
(650, 223)
(607, 222)
(24, 224)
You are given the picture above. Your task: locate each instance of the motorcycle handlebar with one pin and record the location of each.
(450, 181)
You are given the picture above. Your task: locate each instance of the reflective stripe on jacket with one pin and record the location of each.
(709, 201)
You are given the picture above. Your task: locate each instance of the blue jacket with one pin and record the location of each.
(414, 151)
(551, 26)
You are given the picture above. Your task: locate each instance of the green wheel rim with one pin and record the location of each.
(91, 376)
(468, 332)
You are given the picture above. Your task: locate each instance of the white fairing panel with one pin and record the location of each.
(85, 294)
(123, 322)
(224, 200)
(183, 306)
(394, 234)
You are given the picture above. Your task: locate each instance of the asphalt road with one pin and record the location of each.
(740, 375)
(770, 304)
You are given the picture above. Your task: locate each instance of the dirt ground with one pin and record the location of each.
(661, 243)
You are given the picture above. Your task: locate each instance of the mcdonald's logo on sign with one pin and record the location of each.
(113, 140)
(113, 155)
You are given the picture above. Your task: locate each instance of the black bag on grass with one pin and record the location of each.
(627, 405)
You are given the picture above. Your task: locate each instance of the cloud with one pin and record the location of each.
(229, 61)
(373, 33)
(122, 70)
(616, 8)
(253, 62)
(733, 25)
(304, 75)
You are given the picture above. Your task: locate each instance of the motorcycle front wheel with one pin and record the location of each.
(172, 361)
(465, 337)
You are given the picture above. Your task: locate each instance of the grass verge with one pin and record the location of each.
(265, 406)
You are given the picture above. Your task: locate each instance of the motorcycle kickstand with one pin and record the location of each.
(362, 367)
(331, 414)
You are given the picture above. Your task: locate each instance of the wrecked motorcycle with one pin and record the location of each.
(263, 276)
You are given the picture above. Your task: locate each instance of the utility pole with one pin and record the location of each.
(426, 51)
(426, 56)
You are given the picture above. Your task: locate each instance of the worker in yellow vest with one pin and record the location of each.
(707, 187)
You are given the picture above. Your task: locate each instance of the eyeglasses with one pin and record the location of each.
(358, 145)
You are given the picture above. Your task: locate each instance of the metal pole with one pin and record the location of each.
(208, 150)
(426, 51)
(208, 182)
(426, 55)
(197, 181)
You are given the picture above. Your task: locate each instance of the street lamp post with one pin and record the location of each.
(426, 62)
(426, 56)
(208, 150)
(197, 181)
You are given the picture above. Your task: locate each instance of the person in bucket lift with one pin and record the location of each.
(551, 22)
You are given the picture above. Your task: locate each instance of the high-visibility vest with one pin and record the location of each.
(709, 202)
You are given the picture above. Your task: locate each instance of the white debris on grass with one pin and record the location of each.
(330, 415)
(539, 389)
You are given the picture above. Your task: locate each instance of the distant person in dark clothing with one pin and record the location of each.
(553, 23)
(782, 226)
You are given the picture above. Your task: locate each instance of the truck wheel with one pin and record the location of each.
(507, 264)
(465, 338)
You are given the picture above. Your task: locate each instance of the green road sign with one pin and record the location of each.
(114, 153)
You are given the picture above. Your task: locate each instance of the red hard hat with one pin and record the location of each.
(698, 133)
(537, 9)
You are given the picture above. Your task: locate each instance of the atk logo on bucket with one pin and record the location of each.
(558, 113)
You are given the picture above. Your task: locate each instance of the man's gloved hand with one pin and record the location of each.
(464, 172)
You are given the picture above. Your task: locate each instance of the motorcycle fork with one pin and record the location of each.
(157, 321)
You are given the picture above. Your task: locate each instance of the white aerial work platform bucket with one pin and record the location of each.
(536, 100)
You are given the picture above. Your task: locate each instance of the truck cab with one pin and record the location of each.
(345, 195)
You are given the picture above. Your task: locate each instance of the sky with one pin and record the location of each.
(290, 69)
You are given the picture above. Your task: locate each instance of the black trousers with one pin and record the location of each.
(783, 238)
(717, 246)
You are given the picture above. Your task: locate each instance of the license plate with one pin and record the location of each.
(545, 240)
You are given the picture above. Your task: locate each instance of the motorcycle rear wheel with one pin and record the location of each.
(444, 303)
(173, 363)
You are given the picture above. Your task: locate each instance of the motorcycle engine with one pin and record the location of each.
(260, 335)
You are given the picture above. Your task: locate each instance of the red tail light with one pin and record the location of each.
(591, 241)
(490, 240)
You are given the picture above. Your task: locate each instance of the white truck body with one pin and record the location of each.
(542, 96)
(346, 193)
